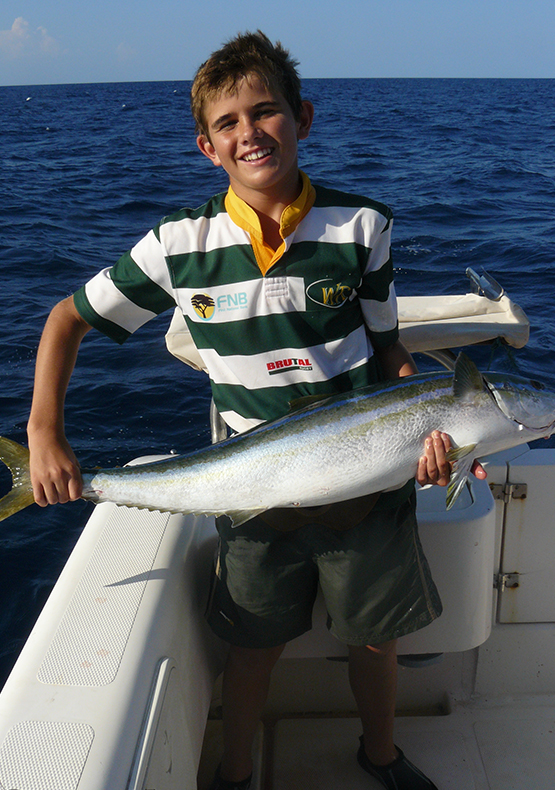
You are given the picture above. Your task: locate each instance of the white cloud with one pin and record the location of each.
(19, 41)
(47, 44)
(14, 41)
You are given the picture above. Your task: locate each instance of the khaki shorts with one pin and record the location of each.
(374, 576)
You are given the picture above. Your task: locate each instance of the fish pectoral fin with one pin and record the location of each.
(462, 459)
(239, 517)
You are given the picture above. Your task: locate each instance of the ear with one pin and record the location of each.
(206, 147)
(305, 120)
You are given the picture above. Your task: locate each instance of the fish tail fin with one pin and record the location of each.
(16, 458)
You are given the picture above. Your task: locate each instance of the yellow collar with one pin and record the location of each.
(246, 218)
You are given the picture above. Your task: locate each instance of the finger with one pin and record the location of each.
(427, 467)
(431, 458)
(479, 471)
(446, 441)
(442, 445)
(437, 466)
(75, 488)
(56, 493)
(40, 496)
(422, 471)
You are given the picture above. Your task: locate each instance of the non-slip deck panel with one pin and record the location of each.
(44, 755)
(88, 644)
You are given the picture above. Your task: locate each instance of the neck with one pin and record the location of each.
(270, 203)
(270, 230)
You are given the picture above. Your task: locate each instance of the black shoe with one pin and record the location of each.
(222, 784)
(398, 775)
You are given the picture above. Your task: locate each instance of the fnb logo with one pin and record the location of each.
(231, 301)
(284, 365)
(203, 305)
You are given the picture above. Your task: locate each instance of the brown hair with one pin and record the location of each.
(246, 54)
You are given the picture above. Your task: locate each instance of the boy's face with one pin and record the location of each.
(253, 135)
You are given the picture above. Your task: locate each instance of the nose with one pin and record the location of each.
(249, 130)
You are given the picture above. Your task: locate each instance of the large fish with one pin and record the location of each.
(342, 447)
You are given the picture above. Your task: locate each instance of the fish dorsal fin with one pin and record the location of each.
(467, 379)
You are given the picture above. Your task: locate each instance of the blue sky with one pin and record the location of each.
(119, 40)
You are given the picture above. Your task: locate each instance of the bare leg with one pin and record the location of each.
(373, 678)
(245, 687)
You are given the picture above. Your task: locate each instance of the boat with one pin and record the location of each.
(117, 686)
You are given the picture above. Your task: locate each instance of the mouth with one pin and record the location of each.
(255, 156)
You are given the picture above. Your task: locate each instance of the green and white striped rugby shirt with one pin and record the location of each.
(307, 327)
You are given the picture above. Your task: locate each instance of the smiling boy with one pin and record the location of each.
(308, 273)
(253, 134)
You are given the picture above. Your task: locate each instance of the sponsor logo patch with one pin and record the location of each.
(285, 365)
(203, 306)
(328, 293)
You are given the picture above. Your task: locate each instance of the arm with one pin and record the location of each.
(433, 467)
(55, 471)
(395, 361)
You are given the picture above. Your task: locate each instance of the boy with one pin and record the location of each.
(308, 274)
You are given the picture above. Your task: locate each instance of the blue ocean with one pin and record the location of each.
(468, 167)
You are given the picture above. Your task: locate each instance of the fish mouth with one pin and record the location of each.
(542, 430)
(549, 430)
(256, 156)
(545, 430)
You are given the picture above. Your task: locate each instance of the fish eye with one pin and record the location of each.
(537, 385)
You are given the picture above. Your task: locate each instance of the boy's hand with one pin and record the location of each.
(55, 473)
(434, 468)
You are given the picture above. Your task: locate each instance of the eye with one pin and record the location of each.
(226, 125)
(265, 111)
(537, 385)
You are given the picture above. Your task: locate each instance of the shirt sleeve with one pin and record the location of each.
(377, 290)
(119, 300)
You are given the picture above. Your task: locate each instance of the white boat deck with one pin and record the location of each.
(507, 744)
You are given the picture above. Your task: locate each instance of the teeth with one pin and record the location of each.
(258, 155)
